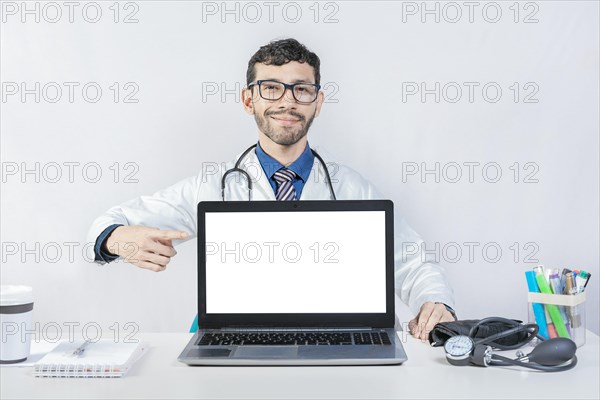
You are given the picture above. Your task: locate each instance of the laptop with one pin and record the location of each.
(295, 283)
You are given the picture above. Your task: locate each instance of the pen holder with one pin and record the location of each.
(563, 314)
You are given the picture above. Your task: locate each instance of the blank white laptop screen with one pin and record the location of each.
(295, 262)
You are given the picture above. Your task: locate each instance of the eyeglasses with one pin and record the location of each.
(273, 90)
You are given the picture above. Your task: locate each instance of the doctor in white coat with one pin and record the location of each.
(145, 230)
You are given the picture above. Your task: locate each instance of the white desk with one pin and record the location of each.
(426, 374)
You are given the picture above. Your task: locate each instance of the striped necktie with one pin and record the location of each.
(285, 189)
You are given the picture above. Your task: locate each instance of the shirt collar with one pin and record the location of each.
(301, 166)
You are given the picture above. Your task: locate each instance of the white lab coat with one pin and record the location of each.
(175, 208)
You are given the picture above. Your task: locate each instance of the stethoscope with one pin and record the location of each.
(551, 355)
(237, 169)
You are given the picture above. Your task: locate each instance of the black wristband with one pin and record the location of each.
(450, 309)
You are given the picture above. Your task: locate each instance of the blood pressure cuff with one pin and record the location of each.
(445, 330)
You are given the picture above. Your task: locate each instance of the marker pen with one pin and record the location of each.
(553, 310)
(549, 326)
(581, 281)
(538, 308)
(570, 283)
(587, 280)
(563, 275)
(555, 286)
(572, 311)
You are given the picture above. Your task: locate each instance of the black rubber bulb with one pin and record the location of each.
(553, 352)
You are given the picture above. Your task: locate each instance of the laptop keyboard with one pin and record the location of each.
(294, 338)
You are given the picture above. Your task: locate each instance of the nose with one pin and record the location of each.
(288, 97)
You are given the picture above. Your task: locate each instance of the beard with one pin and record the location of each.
(284, 135)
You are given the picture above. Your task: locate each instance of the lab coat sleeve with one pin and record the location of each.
(173, 208)
(417, 278)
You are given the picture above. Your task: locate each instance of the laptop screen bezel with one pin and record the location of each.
(308, 320)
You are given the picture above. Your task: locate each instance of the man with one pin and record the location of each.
(282, 93)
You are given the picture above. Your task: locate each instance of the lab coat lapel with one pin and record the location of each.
(316, 187)
(261, 188)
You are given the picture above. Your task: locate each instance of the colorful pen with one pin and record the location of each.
(555, 286)
(538, 308)
(581, 281)
(571, 289)
(549, 325)
(587, 280)
(553, 310)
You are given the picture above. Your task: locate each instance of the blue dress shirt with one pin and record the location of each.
(301, 167)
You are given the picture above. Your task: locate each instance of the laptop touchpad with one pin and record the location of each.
(266, 352)
(201, 353)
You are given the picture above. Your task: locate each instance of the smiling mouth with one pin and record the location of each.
(286, 121)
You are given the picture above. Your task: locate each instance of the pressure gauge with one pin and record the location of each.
(459, 349)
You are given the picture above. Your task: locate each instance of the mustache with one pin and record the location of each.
(291, 113)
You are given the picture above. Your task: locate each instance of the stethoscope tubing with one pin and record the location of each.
(236, 168)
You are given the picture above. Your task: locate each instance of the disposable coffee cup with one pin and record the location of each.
(16, 309)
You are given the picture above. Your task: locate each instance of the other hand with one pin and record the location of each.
(149, 248)
(429, 315)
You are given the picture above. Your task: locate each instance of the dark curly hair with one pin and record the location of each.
(281, 52)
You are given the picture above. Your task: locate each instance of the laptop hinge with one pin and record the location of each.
(291, 329)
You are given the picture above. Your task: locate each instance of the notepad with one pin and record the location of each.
(102, 359)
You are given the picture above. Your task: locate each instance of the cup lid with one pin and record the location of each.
(11, 295)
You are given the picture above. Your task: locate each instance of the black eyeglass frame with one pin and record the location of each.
(286, 87)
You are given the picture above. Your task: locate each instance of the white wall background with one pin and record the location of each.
(175, 51)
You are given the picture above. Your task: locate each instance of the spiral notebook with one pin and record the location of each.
(102, 359)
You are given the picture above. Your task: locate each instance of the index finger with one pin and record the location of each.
(423, 319)
(434, 318)
(163, 250)
(425, 314)
(170, 235)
